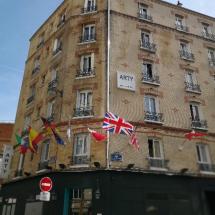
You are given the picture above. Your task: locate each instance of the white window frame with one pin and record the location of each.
(57, 44)
(211, 54)
(179, 21)
(50, 108)
(185, 46)
(21, 162)
(195, 113)
(54, 73)
(206, 29)
(37, 62)
(156, 107)
(90, 60)
(91, 33)
(92, 3)
(146, 34)
(143, 9)
(203, 148)
(160, 147)
(84, 144)
(27, 121)
(83, 104)
(45, 149)
(190, 76)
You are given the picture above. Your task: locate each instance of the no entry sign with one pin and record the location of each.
(45, 184)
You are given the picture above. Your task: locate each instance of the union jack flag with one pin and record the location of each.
(117, 125)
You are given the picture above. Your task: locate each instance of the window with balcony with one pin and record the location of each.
(156, 156)
(86, 66)
(149, 75)
(144, 12)
(27, 122)
(31, 94)
(19, 171)
(36, 67)
(62, 19)
(204, 161)
(191, 84)
(44, 158)
(146, 42)
(84, 104)
(207, 32)
(57, 47)
(185, 51)
(196, 117)
(54, 80)
(50, 110)
(152, 110)
(81, 149)
(89, 6)
(41, 40)
(180, 23)
(211, 57)
(88, 34)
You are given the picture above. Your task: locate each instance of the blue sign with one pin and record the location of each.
(116, 156)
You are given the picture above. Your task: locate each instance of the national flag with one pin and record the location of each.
(24, 144)
(117, 125)
(18, 140)
(134, 141)
(58, 139)
(97, 136)
(34, 139)
(193, 133)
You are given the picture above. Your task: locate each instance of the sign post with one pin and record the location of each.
(45, 187)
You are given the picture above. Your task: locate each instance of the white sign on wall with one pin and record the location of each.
(125, 81)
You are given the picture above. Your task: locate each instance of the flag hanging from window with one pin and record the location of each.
(134, 141)
(34, 139)
(97, 136)
(193, 133)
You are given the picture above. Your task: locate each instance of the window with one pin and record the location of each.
(57, 47)
(45, 151)
(36, 66)
(27, 122)
(89, 6)
(31, 94)
(41, 40)
(207, 32)
(19, 171)
(149, 104)
(191, 82)
(194, 111)
(87, 65)
(211, 57)
(62, 19)
(9, 206)
(38, 112)
(149, 75)
(146, 41)
(81, 150)
(180, 24)
(88, 33)
(143, 12)
(185, 51)
(50, 110)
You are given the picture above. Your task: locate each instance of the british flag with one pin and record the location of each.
(117, 125)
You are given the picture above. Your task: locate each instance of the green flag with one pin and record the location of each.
(18, 140)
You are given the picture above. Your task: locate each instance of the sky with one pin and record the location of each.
(19, 19)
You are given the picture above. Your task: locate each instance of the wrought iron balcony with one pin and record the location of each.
(18, 173)
(206, 167)
(80, 159)
(43, 165)
(30, 99)
(85, 72)
(35, 70)
(145, 16)
(147, 46)
(208, 35)
(153, 117)
(83, 111)
(88, 38)
(158, 163)
(192, 87)
(89, 9)
(186, 55)
(211, 62)
(52, 85)
(57, 50)
(151, 79)
(199, 124)
(182, 28)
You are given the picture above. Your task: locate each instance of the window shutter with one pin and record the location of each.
(55, 44)
(92, 60)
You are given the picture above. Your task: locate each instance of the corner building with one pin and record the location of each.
(148, 61)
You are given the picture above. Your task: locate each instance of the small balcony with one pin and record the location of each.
(52, 85)
(87, 72)
(30, 99)
(182, 28)
(83, 112)
(206, 167)
(211, 62)
(151, 47)
(43, 165)
(80, 160)
(153, 117)
(145, 16)
(199, 124)
(89, 9)
(208, 36)
(86, 38)
(191, 87)
(35, 70)
(151, 79)
(18, 173)
(158, 163)
(57, 50)
(185, 55)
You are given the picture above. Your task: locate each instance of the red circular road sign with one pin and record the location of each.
(45, 184)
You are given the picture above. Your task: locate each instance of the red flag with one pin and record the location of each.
(97, 136)
(134, 141)
(193, 133)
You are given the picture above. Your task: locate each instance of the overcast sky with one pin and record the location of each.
(19, 19)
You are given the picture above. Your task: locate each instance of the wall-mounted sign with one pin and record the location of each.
(125, 81)
(116, 156)
(45, 196)
(45, 184)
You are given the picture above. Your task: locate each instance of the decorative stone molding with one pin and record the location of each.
(148, 57)
(87, 86)
(151, 91)
(212, 72)
(188, 99)
(179, 13)
(183, 38)
(29, 111)
(147, 3)
(188, 66)
(200, 20)
(209, 45)
(143, 26)
(85, 50)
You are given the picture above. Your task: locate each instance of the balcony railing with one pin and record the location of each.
(18, 173)
(153, 117)
(83, 111)
(52, 85)
(158, 163)
(192, 87)
(85, 72)
(80, 159)
(211, 62)
(30, 99)
(88, 38)
(206, 167)
(186, 55)
(35, 70)
(145, 16)
(43, 165)
(89, 9)
(182, 28)
(147, 46)
(151, 79)
(208, 35)
(199, 124)
(57, 50)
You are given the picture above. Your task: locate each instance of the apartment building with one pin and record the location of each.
(147, 61)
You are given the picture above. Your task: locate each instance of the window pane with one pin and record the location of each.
(157, 151)
(150, 146)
